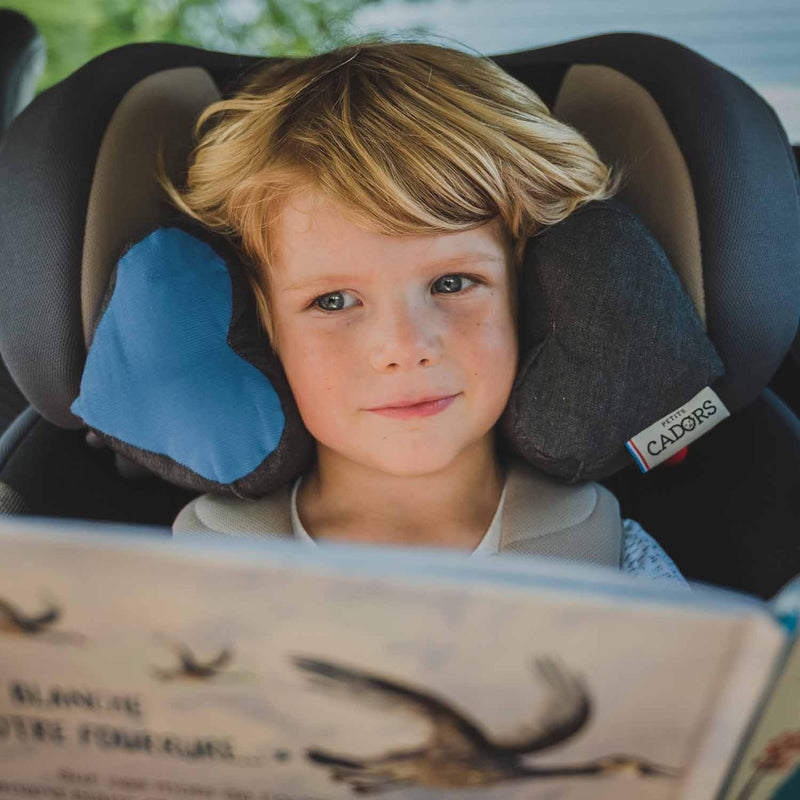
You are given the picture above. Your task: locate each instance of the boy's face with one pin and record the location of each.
(407, 318)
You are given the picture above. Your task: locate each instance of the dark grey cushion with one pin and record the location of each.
(610, 342)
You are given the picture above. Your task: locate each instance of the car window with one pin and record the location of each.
(758, 42)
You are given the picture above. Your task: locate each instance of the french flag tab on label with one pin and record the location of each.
(677, 429)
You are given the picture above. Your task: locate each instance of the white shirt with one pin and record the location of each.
(488, 545)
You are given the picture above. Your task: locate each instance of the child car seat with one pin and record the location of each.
(711, 175)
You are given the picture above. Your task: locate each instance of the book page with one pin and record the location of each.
(739, 694)
(769, 769)
(150, 671)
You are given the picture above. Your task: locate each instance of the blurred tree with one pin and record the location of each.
(78, 30)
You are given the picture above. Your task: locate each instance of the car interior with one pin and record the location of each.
(711, 173)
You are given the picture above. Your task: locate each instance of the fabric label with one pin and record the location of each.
(677, 429)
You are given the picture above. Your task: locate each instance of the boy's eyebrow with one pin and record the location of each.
(462, 258)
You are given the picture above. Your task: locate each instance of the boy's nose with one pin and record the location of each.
(405, 337)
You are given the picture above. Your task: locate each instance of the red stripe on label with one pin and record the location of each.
(644, 460)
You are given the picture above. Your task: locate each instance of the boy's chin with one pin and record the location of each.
(413, 463)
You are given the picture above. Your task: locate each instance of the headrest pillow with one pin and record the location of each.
(610, 345)
(179, 378)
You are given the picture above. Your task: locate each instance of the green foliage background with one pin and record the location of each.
(75, 31)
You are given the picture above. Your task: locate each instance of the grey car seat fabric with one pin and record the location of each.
(22, 60)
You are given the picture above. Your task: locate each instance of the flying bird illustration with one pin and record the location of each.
(458, 753)
(192, 669)
(13, 621)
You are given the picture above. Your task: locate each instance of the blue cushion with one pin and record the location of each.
(167, 320)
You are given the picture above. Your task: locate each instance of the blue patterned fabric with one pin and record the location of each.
(642, 555)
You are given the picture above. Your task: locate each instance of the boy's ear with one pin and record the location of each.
(610, 343)
(180, 378)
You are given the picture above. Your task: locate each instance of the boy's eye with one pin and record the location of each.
(333, 301)
(450, 284)
(447, 284)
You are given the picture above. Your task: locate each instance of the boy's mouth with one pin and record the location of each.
(416, 408)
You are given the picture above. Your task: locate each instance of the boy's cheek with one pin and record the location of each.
(317, 402)
(495, 339)
(496, 365)
(314, 381)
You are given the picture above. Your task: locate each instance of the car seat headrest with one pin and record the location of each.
(644, 102)
(180, 379)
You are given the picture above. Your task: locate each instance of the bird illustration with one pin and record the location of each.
(192, 669)
(458, 753)
(13, 621)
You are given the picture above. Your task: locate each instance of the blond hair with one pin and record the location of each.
(414, 138)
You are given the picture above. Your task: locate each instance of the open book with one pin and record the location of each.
(135, 667)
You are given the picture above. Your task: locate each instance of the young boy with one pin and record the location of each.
(381, 196)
